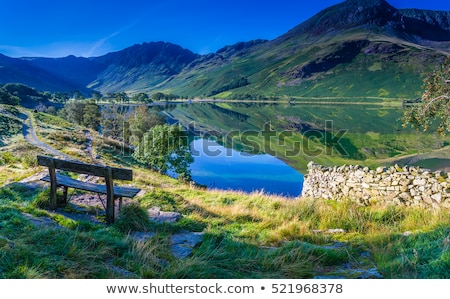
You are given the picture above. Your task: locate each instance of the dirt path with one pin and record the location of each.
(30, 135)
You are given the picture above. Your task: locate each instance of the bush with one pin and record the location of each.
(7, 158)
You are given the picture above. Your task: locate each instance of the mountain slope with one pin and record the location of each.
(81, 71)
(15, 70)
(139, 66)
(356, 48)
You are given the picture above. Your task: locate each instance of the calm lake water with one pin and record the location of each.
(223, 168)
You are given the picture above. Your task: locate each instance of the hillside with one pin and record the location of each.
(140, 66)
(352, 49)
(242, 235)
(357, 48)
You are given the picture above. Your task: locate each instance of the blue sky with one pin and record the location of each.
(57, 28)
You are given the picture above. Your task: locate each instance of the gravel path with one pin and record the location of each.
(30, 136)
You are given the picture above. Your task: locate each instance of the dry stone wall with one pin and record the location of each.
(411, 186)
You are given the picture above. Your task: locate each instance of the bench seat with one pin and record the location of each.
(66, 181)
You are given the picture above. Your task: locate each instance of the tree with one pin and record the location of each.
(77, 95)
(166, 148)
(113, 121)
(91, 115)
(141, 120)
(141, 97)
(51, 110)
(97, 96)
(7, 98)
(122, 97)
(158, 96)
(435, 104)
(74, 111)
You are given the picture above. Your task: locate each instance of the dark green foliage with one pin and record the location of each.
(24, 94)
(91, 115)
(435, 104)
(233, 85)
(86, 113)
(141, 120)
(141, 97)
(166, 148)
(8, 98)
(113, 121)
(159, 96)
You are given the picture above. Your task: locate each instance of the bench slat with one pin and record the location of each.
(62, 180)
(89, 169)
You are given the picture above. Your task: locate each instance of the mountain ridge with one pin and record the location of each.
(369, 38)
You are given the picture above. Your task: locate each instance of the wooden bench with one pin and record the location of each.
(109, 173)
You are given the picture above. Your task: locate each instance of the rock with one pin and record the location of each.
(419, 182)
(42, 221)
(182, 244)
(157, 215)
(142, 236)
(437, 197)
(380, 170)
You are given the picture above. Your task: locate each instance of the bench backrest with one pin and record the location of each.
(83, 168)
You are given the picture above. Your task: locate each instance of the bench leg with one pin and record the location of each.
(65, 195)
(120, 203)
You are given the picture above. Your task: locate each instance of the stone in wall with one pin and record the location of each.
(408, 185)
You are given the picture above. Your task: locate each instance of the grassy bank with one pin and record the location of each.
(245, 235)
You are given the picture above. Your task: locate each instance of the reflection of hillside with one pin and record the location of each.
(365, 134)
(232, 113)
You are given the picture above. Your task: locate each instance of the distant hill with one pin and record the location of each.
(24, 71)
(353, 49)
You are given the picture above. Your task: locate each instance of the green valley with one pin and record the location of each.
(333, 90)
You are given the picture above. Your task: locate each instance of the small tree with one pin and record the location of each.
(166, 148)
(142, 120)
(113, 121)
(74, 111)
(91, 115)
(141, 98)
(435, 104)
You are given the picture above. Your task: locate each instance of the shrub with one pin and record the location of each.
(7, 158)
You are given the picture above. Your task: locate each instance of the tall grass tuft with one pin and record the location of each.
(133, 217)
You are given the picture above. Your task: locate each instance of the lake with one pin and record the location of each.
(224, 168)
(369, 134)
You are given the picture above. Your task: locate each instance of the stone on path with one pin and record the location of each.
(183, 243)
(157, 215)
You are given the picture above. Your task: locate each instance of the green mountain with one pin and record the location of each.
(356, 48)
(352, 49)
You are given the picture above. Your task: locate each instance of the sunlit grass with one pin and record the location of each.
(245, 235)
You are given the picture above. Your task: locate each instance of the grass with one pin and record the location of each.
(245, 235)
